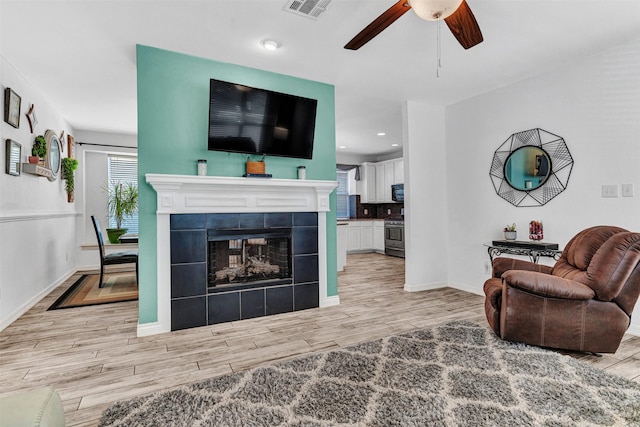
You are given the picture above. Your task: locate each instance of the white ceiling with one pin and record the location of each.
(81, 54)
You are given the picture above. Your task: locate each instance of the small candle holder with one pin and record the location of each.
(202, 167)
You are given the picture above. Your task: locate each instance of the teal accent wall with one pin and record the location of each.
(173, 109)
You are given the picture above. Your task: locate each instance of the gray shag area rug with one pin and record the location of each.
(457, 374)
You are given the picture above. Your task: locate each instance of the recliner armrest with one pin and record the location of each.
(547, 285)
(502, 264)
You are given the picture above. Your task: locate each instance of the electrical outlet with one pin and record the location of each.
(609, 190)
(388, 211)
(627, 190)
(366, 211)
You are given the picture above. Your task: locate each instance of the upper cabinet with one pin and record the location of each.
(376, 180)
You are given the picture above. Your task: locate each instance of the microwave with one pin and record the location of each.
(397, 192)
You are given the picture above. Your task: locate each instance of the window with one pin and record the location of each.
(342, 194)
(124, 169)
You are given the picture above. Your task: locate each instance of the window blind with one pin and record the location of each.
(124, 169)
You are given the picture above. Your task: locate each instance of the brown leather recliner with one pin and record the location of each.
(584, 302)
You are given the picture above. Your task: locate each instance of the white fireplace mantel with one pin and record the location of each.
(178, 194)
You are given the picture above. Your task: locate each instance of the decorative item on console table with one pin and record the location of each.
(510, 232)
(535, 230)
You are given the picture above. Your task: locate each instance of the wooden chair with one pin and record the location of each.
(115, 258)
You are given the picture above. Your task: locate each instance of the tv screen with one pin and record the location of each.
(245, 119)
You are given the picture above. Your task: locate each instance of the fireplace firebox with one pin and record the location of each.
(249, 256)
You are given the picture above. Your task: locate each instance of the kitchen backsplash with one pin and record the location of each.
(374, 211)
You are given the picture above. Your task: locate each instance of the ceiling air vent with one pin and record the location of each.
(309, 8)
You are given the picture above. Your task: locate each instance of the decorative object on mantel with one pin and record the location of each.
(531, 167)
(69, 165)
(510, 232)
(535, 230)
(12, 102)
(302, 172)
(14, 153)
(202, 167)
(255, 168)
(122, 200)
(31, 118)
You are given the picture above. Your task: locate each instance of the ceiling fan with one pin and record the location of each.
(456, 13)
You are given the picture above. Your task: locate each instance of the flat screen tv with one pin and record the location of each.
(245, 119)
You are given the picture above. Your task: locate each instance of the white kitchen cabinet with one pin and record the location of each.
(365, 236)
(376, 180)
(380, 183)
(378, 236)
(342, 233)
(354, 236)
(366, 187)
(398, 171)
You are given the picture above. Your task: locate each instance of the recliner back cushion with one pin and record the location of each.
(586, 244)
(580, 250)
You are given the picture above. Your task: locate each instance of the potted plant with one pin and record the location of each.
(39, 150)
(122, 200)
(510, 232)
(68, 166)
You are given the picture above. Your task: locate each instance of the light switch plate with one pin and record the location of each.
(609, 190)
(627, 190)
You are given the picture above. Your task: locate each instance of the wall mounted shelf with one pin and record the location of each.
(35, 169)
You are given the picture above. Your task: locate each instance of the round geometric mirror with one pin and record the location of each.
(531, 167)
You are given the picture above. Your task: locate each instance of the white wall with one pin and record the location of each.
(37, 225)
(595, 106)
(426, 196)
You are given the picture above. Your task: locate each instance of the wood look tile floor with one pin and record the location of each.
(92, 357)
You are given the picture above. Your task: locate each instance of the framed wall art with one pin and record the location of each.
(14, 153)
(12, 103)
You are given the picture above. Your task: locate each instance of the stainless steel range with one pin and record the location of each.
(394, 237)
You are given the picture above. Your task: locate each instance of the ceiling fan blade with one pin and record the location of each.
(464, 26)
(379, 24)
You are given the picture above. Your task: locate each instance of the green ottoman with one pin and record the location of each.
(40, 408)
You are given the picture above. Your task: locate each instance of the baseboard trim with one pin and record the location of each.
(34, 300)
(466, 288)
(424, 286)
(330, 301)
(151, 328)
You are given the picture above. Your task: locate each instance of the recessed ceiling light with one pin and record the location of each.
(381, 134)
(394, 145)
(342, 146)
(270, 44)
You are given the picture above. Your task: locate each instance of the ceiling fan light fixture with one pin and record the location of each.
(434, 10)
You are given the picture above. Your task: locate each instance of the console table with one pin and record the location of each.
(534, 250)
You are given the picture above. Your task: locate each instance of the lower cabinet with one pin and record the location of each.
(365, 236)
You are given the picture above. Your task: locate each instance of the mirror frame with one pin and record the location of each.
(560, 166)
(53, 144)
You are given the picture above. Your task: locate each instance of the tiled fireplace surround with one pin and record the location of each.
(191, 204)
